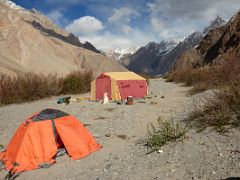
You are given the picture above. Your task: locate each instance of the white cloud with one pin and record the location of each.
(122, 14)
(126, 29)
(85, 25)
(57, 17)
(177, 18)
(194, 9)
(107, 40)
(121, 18)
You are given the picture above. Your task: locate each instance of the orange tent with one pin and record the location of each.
(39, 137)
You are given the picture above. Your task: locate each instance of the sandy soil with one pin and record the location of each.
(205, 155)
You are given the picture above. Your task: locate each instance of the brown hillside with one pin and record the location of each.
(31, 42)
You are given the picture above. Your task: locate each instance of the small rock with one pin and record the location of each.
(160, 151)
(214, 172)
(220, 154)
(108, 135)
(96, 135)
(108, 166)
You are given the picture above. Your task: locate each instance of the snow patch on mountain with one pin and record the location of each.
(120, 53)
(12, 5)
(162, 48)
(217, 22)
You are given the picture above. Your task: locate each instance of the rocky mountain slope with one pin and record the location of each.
(144, 60)
(154, 61)
(31, 42)
(219, 44)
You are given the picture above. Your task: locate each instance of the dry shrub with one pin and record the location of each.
(198, 78)
(224, 107)
(220, 110)
(29, 86)
(77, 82)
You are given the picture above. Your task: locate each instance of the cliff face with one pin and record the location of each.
(219, 44)
(31, 42)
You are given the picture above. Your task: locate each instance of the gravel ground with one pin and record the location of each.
(121, 129)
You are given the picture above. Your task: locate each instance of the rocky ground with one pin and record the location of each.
(121, 130)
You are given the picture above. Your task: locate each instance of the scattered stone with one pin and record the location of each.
(108, 166)
(100, 117)
(160, 151)
(96, 135)
(108, 135)
(153, 103)
(122, 136)
(87, 125)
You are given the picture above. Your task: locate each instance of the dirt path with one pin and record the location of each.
(204, 155)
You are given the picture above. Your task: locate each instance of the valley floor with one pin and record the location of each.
(205, 155)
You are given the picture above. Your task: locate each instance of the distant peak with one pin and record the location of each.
(217, 22)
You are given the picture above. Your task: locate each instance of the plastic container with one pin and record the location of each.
(129, 100)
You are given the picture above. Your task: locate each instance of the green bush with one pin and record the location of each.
(165, 131)
(1, 147)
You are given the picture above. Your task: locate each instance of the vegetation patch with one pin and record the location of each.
(29, 86)
(1, 147)
(164, 132)
(76, 82)
(223, 108)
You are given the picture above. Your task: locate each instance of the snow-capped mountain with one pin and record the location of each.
(120, 53)
(144, 58)
(162, 48)
(12, 5)
(158, 58)
(217, 22)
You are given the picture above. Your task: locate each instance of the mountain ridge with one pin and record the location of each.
(155, 63)
(29, 41)
(219, 44)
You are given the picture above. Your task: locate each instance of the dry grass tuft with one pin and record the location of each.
(29, 86)
(223, 108)
(219, 111)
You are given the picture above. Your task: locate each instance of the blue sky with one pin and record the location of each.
(110, 24)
